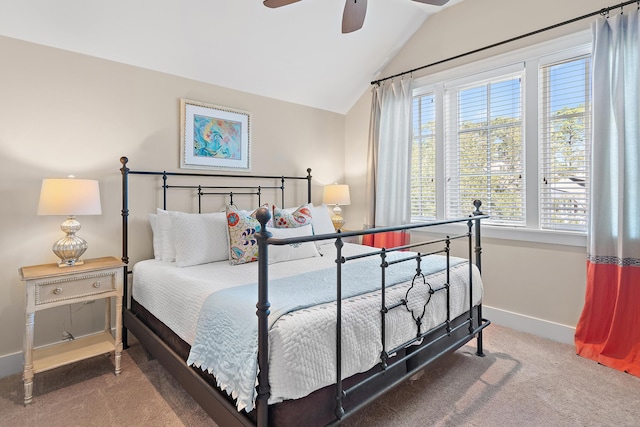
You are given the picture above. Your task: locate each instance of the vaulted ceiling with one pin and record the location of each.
(294, 53)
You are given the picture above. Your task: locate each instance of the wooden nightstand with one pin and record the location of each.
(49, 286)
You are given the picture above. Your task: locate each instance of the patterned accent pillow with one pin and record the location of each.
(283, 218)
(243, 244)
(253, 215)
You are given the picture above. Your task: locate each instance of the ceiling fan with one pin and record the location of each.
(354, 11)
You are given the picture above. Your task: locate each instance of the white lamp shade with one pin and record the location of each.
(336, 194)
(69, 196)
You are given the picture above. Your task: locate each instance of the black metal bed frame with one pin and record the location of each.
(440, 340)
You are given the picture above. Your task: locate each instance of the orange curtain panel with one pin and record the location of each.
(609, 327)
(390, 239)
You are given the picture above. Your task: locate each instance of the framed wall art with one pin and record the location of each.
(214, 137)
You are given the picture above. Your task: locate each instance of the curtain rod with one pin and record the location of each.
(603, 11)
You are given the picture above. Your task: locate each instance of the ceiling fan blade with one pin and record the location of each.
(353, 16)
(278, 3)
(433, 2)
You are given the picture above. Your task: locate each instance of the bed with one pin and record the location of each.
(269, 317)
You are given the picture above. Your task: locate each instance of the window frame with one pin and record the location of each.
(532, 57)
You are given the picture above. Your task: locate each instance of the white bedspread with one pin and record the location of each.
(302, 343)
(174, 295)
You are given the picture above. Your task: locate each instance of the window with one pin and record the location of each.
(513, 133)
(484, 148)
(423, 157)
(564, 136)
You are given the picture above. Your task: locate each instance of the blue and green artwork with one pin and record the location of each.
(218, 138)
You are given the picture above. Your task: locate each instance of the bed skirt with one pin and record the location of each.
(316, 409)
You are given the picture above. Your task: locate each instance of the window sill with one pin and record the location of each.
(518, 234)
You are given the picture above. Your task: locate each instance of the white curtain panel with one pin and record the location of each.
(392, 180)
(372, 159)
(614, 229)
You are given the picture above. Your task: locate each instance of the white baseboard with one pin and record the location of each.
(11, 364)
(531, 325)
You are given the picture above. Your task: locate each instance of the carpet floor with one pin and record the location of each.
(523, 381)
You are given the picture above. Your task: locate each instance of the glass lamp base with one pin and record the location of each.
(71, 247)
(336, 219)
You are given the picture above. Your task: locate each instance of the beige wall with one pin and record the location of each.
(536, 280)
(63, 113)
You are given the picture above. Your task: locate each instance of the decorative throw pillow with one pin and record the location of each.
(243, 244)
(280, 253)
(266, 205)
(282, 218)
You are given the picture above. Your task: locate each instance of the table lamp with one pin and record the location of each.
(337, 195)
(69, 197)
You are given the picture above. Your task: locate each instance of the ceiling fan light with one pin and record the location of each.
(354, 11)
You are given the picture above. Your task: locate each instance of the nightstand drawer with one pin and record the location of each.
(75, 287)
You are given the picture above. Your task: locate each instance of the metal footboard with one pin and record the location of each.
(461, 333)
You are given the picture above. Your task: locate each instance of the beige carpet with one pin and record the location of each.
(522, 381)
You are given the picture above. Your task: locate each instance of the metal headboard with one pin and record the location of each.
(201, 191)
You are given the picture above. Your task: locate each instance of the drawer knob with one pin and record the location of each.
(97, 284)
(57, 291)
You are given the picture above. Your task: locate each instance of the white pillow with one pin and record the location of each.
(322, 223)
(166, 236)
(199, 238)
(155, 232)
(290, 252)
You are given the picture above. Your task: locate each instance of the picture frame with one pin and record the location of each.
(214, 137)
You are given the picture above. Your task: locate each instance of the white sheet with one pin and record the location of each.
(302, 343)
